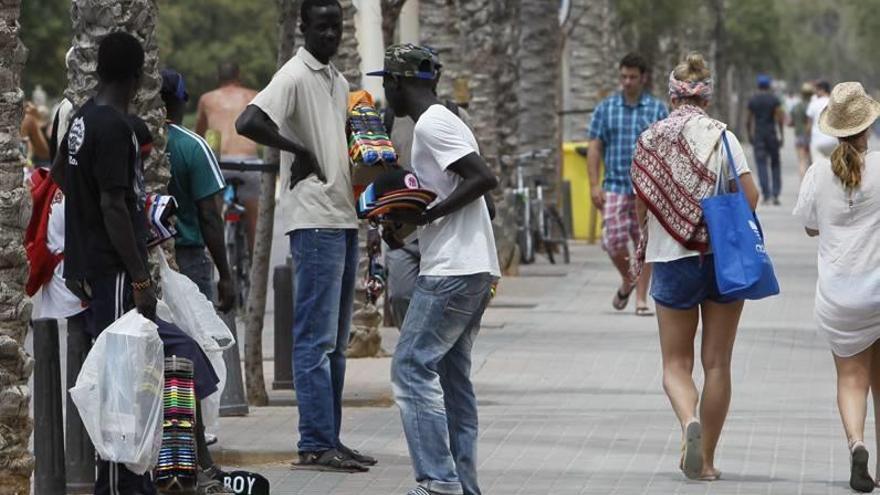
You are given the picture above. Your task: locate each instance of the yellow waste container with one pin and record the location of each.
(586, 220)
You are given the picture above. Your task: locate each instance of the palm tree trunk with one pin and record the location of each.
(439, 29)
(92, 20)
(540, 85)
(255, 381)
(490, 45)
(591, 51)
(16, 462)
(390, 15)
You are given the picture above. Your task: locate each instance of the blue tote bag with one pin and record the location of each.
(743, 269)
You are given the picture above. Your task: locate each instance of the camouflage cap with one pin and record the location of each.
(408, 60)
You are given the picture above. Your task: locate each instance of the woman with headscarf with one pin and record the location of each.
(838, 203)
(677, 163)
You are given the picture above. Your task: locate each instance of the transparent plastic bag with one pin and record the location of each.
(211, 403)
(118, 393)
(192, 311)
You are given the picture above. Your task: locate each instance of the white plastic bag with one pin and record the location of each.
(118, 393)
(211, 403)
(192, 311)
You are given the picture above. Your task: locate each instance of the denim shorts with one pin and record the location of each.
(686, 283)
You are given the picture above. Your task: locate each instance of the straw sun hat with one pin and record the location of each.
(849, 112)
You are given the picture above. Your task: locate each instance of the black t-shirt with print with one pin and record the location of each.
(103, 155)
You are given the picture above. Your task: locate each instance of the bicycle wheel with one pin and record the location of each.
(524, 234)
(555, 235)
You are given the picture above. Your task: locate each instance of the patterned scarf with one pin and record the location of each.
(670, 174)
(689, 89)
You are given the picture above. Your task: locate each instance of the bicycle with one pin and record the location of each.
(235, 232)
(540, 226)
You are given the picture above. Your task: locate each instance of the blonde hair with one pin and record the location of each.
(694, 68)
(847, 162)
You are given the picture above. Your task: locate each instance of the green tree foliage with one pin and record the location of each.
(754, 40)
(196, 35)
(46, 32)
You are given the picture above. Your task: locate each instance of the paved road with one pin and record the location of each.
(571, 399)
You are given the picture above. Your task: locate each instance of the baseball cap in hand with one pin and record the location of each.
(394, 188)
(408, 60)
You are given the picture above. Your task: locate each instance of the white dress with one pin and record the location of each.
(848, 289)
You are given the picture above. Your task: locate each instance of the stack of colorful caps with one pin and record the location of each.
(368, 141)
(394, 190)
(176, 470)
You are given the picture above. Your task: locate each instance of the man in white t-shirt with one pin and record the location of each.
(821, 144)
(430, 372)
(303, 112)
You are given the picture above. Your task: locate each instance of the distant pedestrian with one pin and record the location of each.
(616, 125)
(430, 372)
(821, 144)
(800, 122)
(676, 165)
(766, 117)
(217, 111)
(197, 185)
(303, 112)
(838, 203)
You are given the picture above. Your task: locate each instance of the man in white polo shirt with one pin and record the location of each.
(430, 372)
(303, 112)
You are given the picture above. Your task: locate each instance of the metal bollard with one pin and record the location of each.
(80, 458)
(567, 219)
(282, 281)
(48, 419)
(233, 401)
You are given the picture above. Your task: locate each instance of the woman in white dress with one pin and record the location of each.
(840, 203)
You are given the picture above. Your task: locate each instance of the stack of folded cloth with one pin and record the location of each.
(394, 190)
(176, 469)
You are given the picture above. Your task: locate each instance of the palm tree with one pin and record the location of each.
(490, 43)
(92, 20)
(590, 50)
(390, 14)
(540, 50)
(16, 462)
(439, 29)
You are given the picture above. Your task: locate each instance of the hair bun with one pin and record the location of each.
(696, 63)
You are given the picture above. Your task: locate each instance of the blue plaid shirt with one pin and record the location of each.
(618, 126)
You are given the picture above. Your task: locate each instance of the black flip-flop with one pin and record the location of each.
(621, 300)
(859, 478)
(328, 461)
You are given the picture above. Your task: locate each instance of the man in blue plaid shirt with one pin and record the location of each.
(617, 123)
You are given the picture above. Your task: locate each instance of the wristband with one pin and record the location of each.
(142, 285)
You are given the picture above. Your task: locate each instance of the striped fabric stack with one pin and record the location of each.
(176, 470)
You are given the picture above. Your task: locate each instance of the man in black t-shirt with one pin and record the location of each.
(105, 224)
(766, 116)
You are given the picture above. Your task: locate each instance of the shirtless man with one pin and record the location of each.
(217, 111)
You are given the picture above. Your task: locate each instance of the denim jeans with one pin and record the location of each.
(766, 148)
(430, 376)
(403, 271)
(325, 264)
(195, 264)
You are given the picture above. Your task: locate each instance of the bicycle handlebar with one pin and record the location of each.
(254, 166)
(528, 156)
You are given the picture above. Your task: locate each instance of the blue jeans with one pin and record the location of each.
(325, 264)
(195, 264)
(430, 375)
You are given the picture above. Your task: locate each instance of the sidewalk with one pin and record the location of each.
(571, 399)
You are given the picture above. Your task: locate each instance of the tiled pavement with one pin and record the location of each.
(571, 399)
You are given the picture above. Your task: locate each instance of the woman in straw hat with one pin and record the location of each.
(838, 203)
(676, 164)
